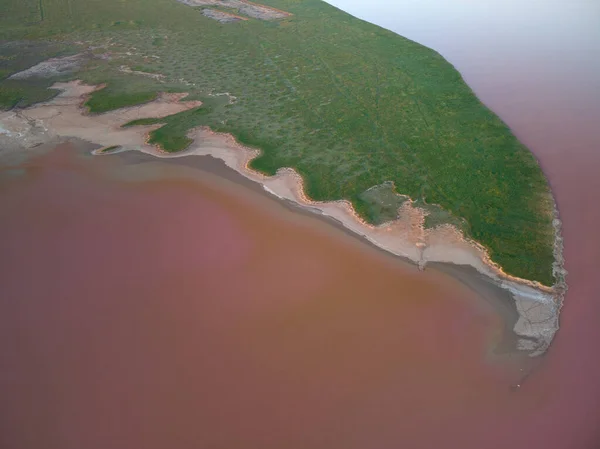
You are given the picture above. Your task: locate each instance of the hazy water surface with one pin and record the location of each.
(143, 309)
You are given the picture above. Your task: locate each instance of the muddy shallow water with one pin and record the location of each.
(154, 305)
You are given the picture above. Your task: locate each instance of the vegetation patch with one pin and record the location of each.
(19, 56)
(381, 203)
(110, 149)
(14, 93)
(108, 99)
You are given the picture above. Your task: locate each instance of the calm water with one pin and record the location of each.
(537, 64)
(143, 309)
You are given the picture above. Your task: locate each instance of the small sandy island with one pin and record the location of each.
(64, 116)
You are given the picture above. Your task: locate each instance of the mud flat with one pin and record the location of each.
(538, 306)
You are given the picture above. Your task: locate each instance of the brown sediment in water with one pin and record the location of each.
(500, 299)
(172, 308)
(406, 237)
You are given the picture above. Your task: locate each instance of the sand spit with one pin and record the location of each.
(64, 116)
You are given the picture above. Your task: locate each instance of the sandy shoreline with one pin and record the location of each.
(201, 167)
(537, 306)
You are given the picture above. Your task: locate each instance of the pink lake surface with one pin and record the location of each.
(180, 313)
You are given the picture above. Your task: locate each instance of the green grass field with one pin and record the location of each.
(347, 104)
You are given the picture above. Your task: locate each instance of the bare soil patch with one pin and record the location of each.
(222, 17)
(254, 10)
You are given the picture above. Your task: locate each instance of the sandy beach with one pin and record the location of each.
(537, 306)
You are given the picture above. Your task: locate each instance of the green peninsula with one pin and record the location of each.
(347, 104)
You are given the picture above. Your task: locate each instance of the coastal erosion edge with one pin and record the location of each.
(65, 116)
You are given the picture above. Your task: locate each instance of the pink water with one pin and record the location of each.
(197, 315)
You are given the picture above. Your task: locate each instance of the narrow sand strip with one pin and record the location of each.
(407, 237)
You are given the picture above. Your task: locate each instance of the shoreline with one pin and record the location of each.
(499, 298)
(537, 306)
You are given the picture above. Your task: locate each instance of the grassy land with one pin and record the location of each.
(347, 104)
(108, 100)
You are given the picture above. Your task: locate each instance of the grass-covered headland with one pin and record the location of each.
(347, 104)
